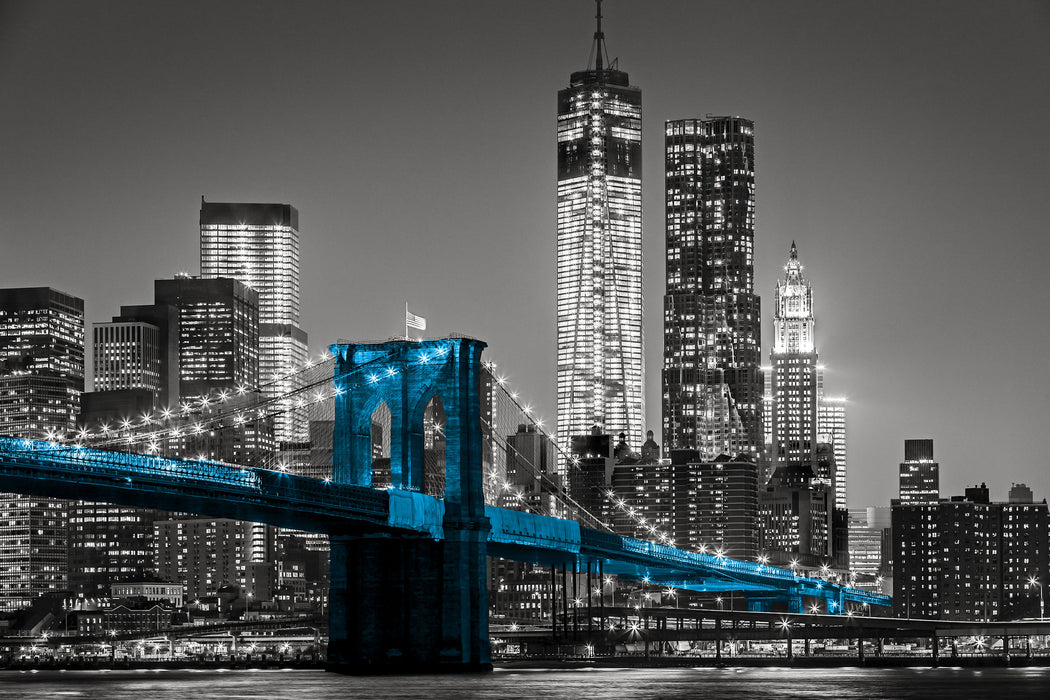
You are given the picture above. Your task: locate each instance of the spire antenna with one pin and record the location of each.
(599, 39)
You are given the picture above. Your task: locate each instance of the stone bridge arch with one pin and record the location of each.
(406, 601)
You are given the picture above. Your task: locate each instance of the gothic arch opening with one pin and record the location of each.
(434, 419)
(380, 446)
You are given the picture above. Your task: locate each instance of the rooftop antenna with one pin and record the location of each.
(599, 38)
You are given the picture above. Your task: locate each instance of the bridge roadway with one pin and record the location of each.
(227, 491)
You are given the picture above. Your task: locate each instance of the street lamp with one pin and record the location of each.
(1034, 581)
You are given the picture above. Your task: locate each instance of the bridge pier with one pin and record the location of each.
(411, 602)
(408, 604)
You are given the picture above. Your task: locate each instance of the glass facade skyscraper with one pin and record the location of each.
(712, 382)
(258, 244)
(831, 430)
(599, 254)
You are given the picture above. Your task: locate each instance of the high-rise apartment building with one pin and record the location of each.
(599, 253)
(716, 506)
(701, 506)
(41, 381)
(793, 382)
(968, 560)
(258, 244)
(712, 382)
(109, 544)
(919, 474)
(208, 553)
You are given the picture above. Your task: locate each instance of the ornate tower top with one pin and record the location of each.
(793, 310)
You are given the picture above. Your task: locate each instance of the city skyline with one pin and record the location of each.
(875, 178)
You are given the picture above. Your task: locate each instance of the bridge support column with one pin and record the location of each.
(718, 638)
(758, 604)
(408, 604)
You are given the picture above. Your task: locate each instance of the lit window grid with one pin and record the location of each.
(126, 356)
(280, 356)
(265, 258)
(831, 428)
(711, 316)
(599, 287)
(45, 397)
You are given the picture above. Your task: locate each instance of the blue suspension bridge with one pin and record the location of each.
(407, 549)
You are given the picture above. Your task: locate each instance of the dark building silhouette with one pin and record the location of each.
(590, 473)
(919, 474)
(530, 471)
(712, 382)
(796, 516)
(1019, 493)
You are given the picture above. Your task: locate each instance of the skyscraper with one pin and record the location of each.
(831, 430)
(136, 372)
(599, 253)
(41, 381)
(712, 383)
(258, 244)
(139, 349)
(919, 474)
(218, 351)
(793, 376)
(41, 360)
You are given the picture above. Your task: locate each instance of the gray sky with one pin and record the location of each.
(903, 145)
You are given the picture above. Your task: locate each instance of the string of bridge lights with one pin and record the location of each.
(620, 503)
(129, 432)
(241, 416)
(656, 536)
(125, 433)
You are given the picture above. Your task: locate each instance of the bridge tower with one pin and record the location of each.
(402, 602)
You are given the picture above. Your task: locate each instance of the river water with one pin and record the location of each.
(578, 684)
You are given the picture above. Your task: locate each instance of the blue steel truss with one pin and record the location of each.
(223, 490)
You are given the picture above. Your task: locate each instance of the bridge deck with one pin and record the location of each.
(222, 490)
